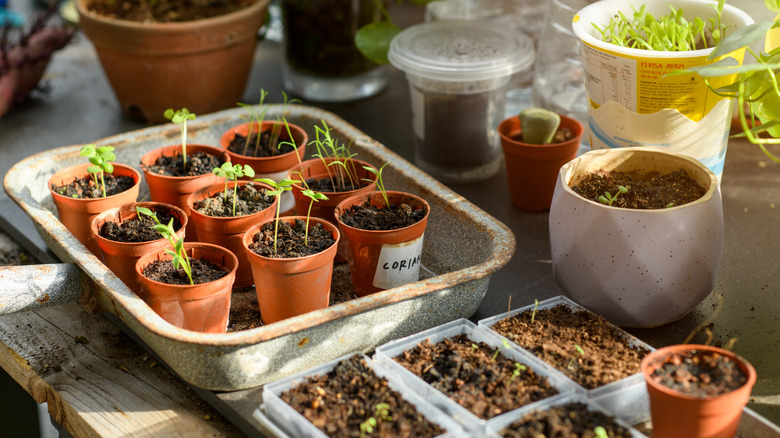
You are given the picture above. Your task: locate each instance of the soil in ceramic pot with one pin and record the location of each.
(291, 240)
(572, 420)
(346, 397)
(202, 272)
(165, 11)
(198, 163)
(700, 373)
(86, 187)
(328, 185)
(475, 375)
(369, 217)
(554, 334)
(250, 200)
(561, 135)
(267, 145)
(138, 229)
(646, 190)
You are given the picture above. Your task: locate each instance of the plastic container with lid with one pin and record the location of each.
(457, 73)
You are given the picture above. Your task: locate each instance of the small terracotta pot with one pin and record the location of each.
(291, 287)
(120, 257)
(228, 231)
(201, 307)
(532, 169)
(380, 260)
(77, 213)
(175, 190)
(679, 415)
(275, 168)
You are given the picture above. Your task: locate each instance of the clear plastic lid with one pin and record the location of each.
(461, 51)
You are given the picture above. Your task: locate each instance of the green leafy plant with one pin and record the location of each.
(373, 40)
(367, 427)
(574, 357)
(608, 199)
(180, 117)
(670, 32)
(232, 172)
(315, 197)
(278, 188)
(257, 116)
(380, 184)
(382, 412)
(180, 258)
(533, 314)
(344, 175)
(100, 157)
(516, 372)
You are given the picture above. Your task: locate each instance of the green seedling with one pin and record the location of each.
(278, 188)
(533, 314)
(256, 115)
(180, 117)
(382, 411)
(506, 344)
(538, 125)
(580, 351)
(516, 372)
(670, 205)
(600, 432)
(100, 157)
(608, 199)
(344, 175)
(475, 346)
(315, 197)
(232, 172)
(367, 427)
(180, 258)
(380, 184)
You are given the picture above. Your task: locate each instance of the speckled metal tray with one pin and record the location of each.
(463, 247)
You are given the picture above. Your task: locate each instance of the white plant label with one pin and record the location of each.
(398, 264)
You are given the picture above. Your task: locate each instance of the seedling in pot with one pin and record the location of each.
(180, 258)
(608, 199)
(573, 358)
(180, 117)
(600, 432)
(344, 177)
(100, 157)
(516, 372)
(379, 183)
(538, 125)
(232, 172)
(382, 412)
(315, 197)
(278, 188)
(533, 314)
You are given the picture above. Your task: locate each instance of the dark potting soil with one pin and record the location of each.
(165, 11)
(700, 373)
(561, 135)
(554, 333)
(290, 243)
(572, 420)
(86, 187)
(327, 185)
(138, 229)
(346, 397)
(250, 200)
(202, 272)
(646, 190)
(198, 163)
(473, 376)
(369, 217)
(267, 146)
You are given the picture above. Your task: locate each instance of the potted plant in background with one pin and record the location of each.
(536, 143)
(84, 191)
(153, 54)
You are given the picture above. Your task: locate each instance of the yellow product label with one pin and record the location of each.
(640, 83)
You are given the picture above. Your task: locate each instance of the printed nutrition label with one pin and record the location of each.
(609, 77)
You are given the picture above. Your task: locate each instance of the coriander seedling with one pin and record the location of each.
(278, 188)
(516, 372)
(180, 117)
(533, 314)
(100, 157)
(315, 197)
(344, 177)
(608, 199)
(571, 361)
(379, 182)
(232, 172)
(180, 258)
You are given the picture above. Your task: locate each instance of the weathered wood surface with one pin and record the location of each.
(97, 381)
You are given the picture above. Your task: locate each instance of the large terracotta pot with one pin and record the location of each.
(637, 268)
(380, 260)
(201, 307)
(228, 231)
(679, 415)
(532, 169)
(120, 257)
(77, 213)
(291, 287)
(175, 190)
(276, 167)
(202, 65)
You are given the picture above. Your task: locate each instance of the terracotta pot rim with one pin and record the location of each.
(656, 358)
(131, 170)
(219, 187)
(249, 235)
(187, 245)
(219, 153)
(375, 194)
(112, 211)
(509, 142)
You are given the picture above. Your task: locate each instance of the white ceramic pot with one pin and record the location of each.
(637, 268)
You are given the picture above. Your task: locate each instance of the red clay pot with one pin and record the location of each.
(291, 287)
(202, 307)
(380, 260)
(77, 213)
(120, 257)
(202, 65)
(679, 415)
(228, 231)
(532, 169)
(175, 190)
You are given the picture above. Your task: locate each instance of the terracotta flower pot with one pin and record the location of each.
(202, 65)
(175, 190)
(291, 287)
(380, 260)
(120, 257)
(228, 231)
(533, 169)
(201, 307)
(77, 213)
(276, 167)
(679, 415)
